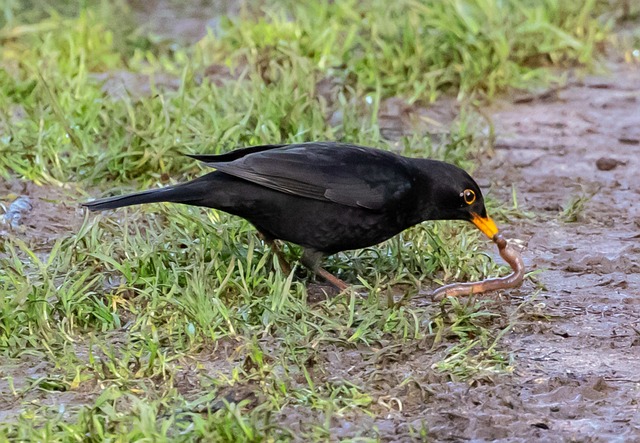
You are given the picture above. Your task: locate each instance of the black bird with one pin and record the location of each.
(326, 197)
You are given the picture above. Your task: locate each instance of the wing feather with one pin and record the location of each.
(345, 174)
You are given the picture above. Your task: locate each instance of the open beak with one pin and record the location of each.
(485, 224)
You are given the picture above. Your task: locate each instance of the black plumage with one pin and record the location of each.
(326, 197)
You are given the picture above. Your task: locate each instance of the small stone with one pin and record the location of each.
(607, 163)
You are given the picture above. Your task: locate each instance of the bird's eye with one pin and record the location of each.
(469, 196)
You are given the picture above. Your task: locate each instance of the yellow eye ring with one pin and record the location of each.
(469, 196)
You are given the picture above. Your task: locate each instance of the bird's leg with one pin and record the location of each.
(335, 281)
(311, 259)
(282, 261)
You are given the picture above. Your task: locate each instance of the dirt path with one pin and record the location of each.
(578, 364)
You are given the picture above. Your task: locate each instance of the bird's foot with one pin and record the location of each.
(329, 277)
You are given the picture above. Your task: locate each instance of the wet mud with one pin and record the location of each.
(36, 214)
(577, 376)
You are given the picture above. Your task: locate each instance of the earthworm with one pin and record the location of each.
(512, 280)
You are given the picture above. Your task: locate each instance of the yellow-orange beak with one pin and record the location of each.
(485, 224)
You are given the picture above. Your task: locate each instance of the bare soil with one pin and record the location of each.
(52, 212)
(577, 376)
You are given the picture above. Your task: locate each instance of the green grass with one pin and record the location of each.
(174, 323)
(574, 208)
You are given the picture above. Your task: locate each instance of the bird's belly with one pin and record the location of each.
(321, 225)
(329, 227)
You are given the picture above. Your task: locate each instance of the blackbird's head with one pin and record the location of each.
(458, 197)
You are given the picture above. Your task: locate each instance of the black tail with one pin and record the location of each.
(189, 192)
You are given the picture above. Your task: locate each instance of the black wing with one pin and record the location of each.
(341, 173)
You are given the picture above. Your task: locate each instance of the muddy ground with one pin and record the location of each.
(577, 375)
